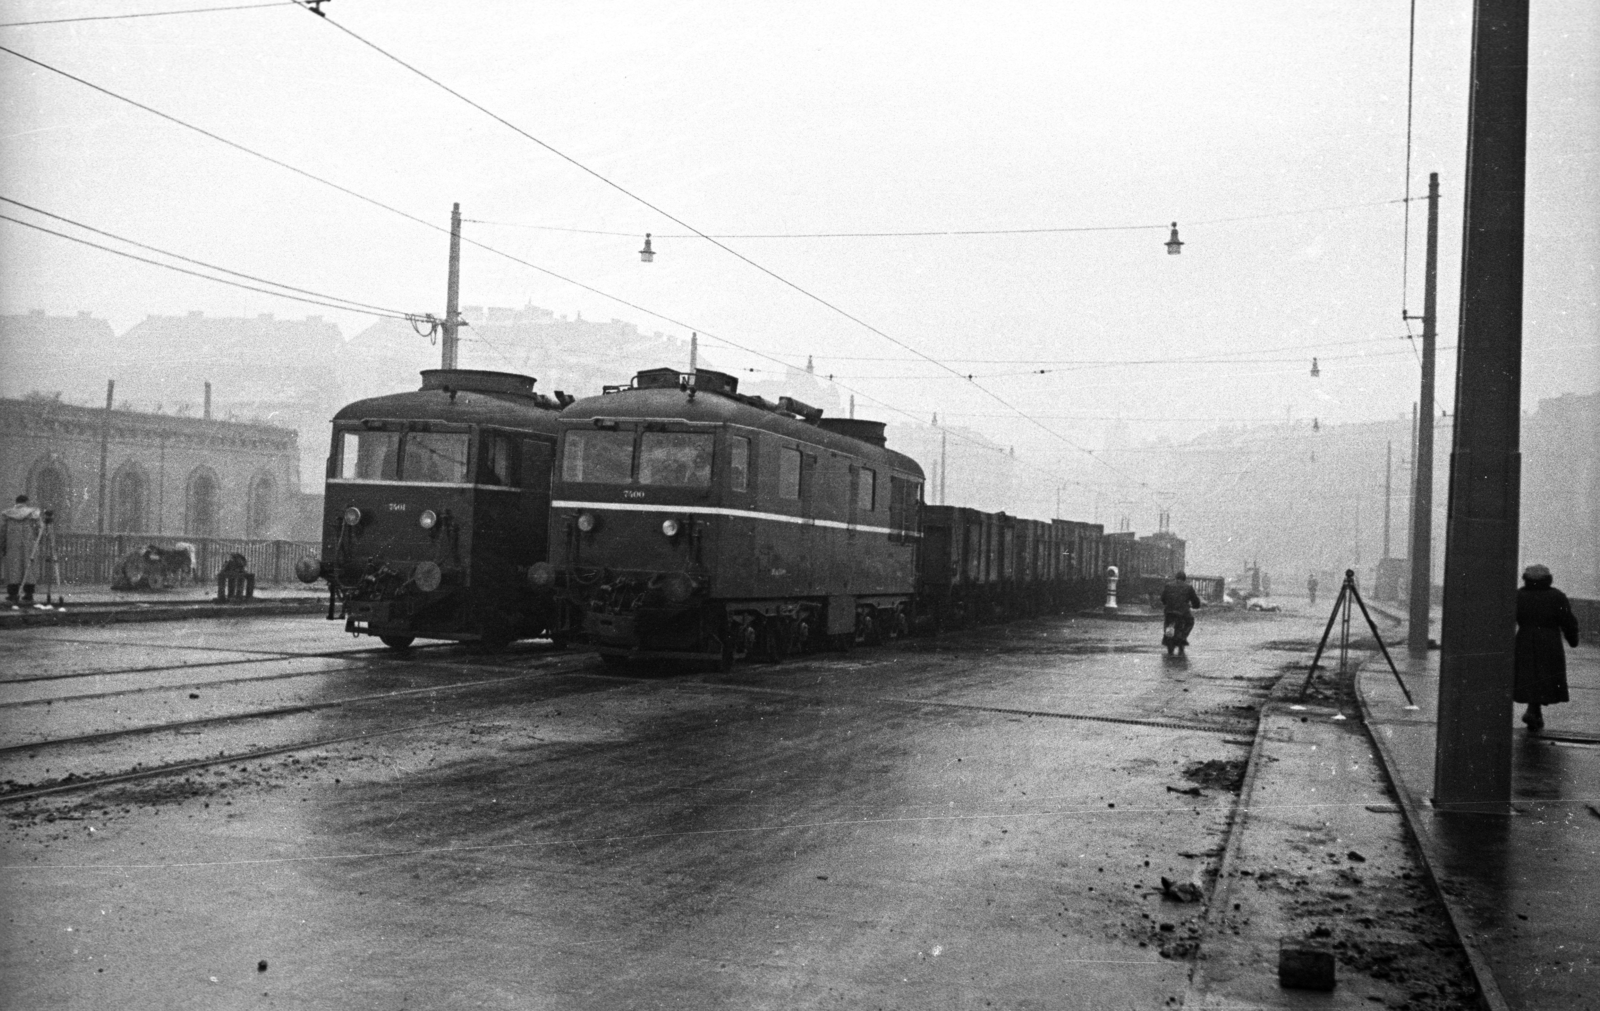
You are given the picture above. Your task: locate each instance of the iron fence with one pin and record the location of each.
(89, 559)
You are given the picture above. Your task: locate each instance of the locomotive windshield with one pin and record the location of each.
(675, 459)
(434, 457)
(437, 457)
(597, 457)
(369, 456)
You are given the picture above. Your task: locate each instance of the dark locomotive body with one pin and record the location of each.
(689, 521)
(437, 502)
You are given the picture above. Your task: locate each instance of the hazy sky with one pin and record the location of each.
(745, 118)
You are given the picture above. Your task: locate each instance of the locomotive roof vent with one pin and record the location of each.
(478, 381)
(703, 380)
(855, 428)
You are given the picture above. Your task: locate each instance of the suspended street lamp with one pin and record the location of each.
(1174, 244)
(647, 255)
(1314, 370)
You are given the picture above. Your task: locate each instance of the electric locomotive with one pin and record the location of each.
(437, 502)
(689, 521)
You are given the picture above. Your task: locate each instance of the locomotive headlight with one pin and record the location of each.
(669, 527)
(586, 522)
(541, 575)
(427, 520)
(352, 517)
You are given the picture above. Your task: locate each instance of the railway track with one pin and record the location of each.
(547, 666)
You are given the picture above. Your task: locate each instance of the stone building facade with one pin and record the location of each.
(164, 475)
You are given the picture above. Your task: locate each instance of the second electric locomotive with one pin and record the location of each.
(690, 521)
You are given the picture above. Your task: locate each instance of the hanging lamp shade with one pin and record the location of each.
(647, 255)
(1314, 370)
(1174, 244)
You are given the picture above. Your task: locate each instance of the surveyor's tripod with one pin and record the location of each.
(1348, 594)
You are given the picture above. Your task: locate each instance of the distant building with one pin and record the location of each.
(46, 354)
(262, 369)
(164, 474)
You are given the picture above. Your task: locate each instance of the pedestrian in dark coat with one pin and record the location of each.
(1544, 617)
(1177, 599)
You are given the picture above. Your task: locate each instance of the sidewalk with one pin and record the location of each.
(1522, 889)
(92, 605)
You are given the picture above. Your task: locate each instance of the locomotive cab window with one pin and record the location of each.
(598, 457)
(738, 463)
(499, 460)
(676, 459)
(369, 456)
(434, 457)
(788, 473)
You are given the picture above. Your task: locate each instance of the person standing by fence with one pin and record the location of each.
(19, 537)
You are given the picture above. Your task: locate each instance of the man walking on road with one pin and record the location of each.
(1311, 589)
(1177, 599)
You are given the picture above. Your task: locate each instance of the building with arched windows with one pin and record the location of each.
(132, 472)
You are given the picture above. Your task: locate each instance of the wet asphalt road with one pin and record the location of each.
(981, 820)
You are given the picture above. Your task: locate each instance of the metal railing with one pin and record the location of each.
(89, 559)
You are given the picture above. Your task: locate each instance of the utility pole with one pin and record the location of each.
(1422, 444)
(944, 465)
(1388, 492)
(105, 447)
(1472, 752)
(452, 294)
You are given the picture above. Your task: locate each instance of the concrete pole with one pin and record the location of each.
(944, 464)
(105, 448)
(1472, 754)
(1422, 444)
(452, 294)
(1388, 492)
(694, 352)
(206, 409)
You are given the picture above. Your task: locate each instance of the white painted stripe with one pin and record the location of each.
(422, 484)
(642, 507)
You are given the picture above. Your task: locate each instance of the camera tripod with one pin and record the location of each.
(1348, 594)
(44, 554)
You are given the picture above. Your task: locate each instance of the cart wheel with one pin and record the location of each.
(397, 642)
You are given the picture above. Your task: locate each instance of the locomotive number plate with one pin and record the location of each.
(397, 507)
(630, 493)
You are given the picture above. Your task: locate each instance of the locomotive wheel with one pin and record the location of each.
(397, 641)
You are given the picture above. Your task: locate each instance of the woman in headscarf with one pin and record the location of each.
(1544, 616)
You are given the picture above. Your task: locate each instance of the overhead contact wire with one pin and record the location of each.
(716, 242)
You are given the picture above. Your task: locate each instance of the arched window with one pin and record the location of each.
(130, 500)
(201, 512)
(51, 489)
(258, 519)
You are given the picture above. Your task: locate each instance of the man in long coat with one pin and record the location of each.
(1544, 617)
(19, 534)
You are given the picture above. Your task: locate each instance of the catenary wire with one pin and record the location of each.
(829, 235)
(147, 14)
(728, 249)
(431, 225)
(192, 273)
(358, 306)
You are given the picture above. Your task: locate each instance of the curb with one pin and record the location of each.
(88, 614)
(1222, 891)
(1489, 996)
